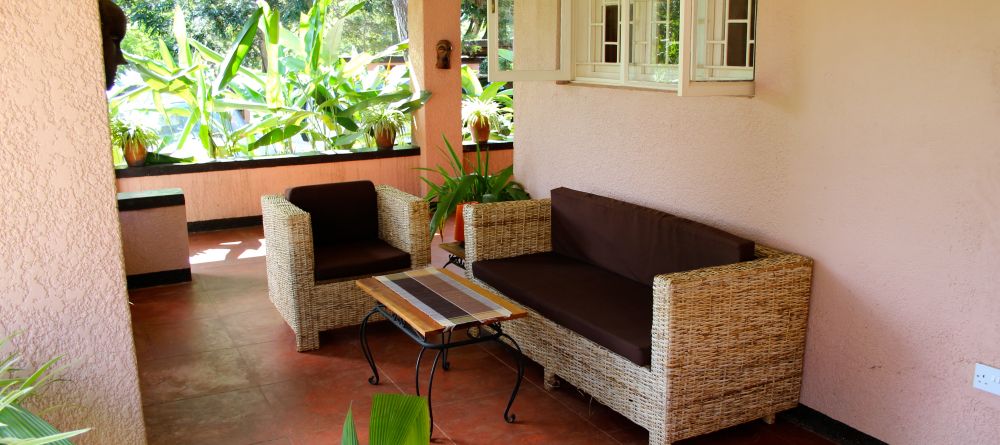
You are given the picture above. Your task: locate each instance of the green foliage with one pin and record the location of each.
(307, 89)
(478, 185)
(396, 419)
(18, 426)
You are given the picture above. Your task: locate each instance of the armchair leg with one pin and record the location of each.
(549, 379)
(306, 341)
(769, 419)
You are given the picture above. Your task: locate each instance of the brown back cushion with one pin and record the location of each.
(637, 242)
(341, 212)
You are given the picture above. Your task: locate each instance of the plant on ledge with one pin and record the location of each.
(477, 185)
(486, 111)
(19, 426)
(383, 123)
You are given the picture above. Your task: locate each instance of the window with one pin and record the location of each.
(695, 47)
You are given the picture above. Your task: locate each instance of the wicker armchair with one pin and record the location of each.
(310, 306)
(727, 341)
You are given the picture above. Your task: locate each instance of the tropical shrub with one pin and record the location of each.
(306, 89)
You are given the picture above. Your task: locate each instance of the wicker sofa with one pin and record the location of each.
(725, 343)
(311, 273)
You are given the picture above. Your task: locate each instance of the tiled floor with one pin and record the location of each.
(217, 365)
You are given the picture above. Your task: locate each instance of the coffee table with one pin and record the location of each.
(425, 303)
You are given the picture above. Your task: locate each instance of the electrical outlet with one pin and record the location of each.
(987, 378)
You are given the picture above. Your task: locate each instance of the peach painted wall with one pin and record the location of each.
(62, 282)
(236, 193)
(873, 146)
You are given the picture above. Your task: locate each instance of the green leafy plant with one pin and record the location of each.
(18, 426)
(305, 89)
(396, 419)
(477, 185)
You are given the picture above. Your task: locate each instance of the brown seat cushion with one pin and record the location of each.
(351, 259)
(341, 212)
(610, 310)
(637, 242)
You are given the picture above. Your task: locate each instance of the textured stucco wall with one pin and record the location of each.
(61, 274)
(873, 146)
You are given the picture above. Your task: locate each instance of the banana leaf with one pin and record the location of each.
(237, 53)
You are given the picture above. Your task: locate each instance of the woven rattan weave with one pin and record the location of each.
(728, 341)
(309, 306)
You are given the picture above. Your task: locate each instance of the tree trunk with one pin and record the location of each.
(400, 8)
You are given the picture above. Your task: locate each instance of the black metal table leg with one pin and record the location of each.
(430, 387)
(420, 357)
(445, 365)
(374, 379)
(507, 416)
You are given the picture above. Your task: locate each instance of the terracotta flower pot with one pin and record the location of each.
(480, 131)
(385, 139)
(135, 154)
(460, 222)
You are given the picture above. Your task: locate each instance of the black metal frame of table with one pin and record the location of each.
(442, 353)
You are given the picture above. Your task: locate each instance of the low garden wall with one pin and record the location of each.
(232, 190)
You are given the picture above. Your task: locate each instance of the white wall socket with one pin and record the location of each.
(987, 378)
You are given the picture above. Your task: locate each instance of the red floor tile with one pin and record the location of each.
(257, 326)
(184, 337)
(193, 375)
(236, 417)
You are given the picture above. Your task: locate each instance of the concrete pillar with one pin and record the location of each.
(431, 21)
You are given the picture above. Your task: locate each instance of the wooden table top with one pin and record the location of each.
(455, 248)
(418, 319)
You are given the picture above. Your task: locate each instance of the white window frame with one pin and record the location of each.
(493, 45)
(686, 85)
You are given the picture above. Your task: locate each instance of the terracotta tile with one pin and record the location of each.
(236, 417)
(257, 326)
(278, 361)
(184, 337)
(169, 305)
(192, 375)
(540, 420)
(321, 403)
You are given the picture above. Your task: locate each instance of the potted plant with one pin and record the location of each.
(480, 116)
(383, 122)
(18, 425)
(134, 140)
(461, 187)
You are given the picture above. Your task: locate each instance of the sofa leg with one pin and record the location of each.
(549, 380)
(769, 419)
(306, 341)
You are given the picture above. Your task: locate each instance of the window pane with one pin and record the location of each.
(724, 40)
(596, 31)
(655, 42)
(536, 30)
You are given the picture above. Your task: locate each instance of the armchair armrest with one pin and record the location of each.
(288, 234)
(404, 223)
(733, 329)
(507, 229)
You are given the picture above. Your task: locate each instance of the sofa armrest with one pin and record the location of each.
(289, 259)
(404, 223)
(733, 329)
(507, 229)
